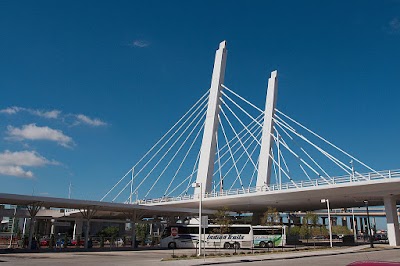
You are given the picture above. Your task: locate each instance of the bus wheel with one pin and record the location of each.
(236, 245)
(262, 244)
(270, 244)
(172, 245)
(227, 245)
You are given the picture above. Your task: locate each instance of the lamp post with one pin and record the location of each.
(329, 220)
(199, 185)
(352, 171)
(371, 240)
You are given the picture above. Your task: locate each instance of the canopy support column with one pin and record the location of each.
(134, 217)
(33, 209)
(88, 214)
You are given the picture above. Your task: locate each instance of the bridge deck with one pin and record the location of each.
(344, 191)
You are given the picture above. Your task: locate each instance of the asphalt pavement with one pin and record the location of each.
(335, 256)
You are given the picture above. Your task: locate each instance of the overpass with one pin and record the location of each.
(250, 159)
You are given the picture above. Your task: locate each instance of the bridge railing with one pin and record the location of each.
(356, 178)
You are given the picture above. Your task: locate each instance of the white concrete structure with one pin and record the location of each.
(265, 161)
(393, 230)
(208, 147)
(343, 193)
(77, 229)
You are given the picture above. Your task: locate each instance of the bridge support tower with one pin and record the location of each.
(208, 147)
(265, 159)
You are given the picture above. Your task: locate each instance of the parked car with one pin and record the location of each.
(119, 242)
(44, 242)
(74, 242)
(379, 237)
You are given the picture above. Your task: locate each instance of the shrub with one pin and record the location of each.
(193, 255)
(227, 254)
(174, 256)
(249, 252)
(242, 253)
(183, 256)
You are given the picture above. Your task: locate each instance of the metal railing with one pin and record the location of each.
(356, 178)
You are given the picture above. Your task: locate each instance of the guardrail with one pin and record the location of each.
(322, 181)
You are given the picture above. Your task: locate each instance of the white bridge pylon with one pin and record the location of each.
(243, 148)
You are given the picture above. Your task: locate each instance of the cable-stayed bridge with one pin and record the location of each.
(247, 158)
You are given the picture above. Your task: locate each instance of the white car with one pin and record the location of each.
(119, 242)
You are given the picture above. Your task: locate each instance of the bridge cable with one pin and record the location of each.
(186, 154)
(190, 109)
(318, 136)
(173, 144)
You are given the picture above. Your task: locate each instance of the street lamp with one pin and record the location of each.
(329, 220)
(352, 171)
(371, 240)
(199, 185)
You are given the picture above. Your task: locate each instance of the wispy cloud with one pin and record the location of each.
(12, 163)
(33, 132)
(18, 171)
(56, 114)
(10, 110)
(41, 113)
(393, 26)
(139, 43)
(89, 121)
(47, 114)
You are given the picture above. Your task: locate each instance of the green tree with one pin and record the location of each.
(304, 232)
(142, 231)
(311, 221)
(341, 230)
(270, 217)
(110, 231)
(294, 231)
(222, 218)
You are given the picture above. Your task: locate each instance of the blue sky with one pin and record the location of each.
(88, 86)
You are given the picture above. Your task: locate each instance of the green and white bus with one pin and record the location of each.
(236, 236)
(269, 236)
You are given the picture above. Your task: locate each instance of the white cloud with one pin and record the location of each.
(89, 121)
(11, 163)
(10, 110)
(23, 158)
(140, 43)
(394, 25)
(33, 132)
(56, 114)
(46, 114)
(15, 171)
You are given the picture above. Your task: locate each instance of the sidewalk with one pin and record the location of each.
(277, 255)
